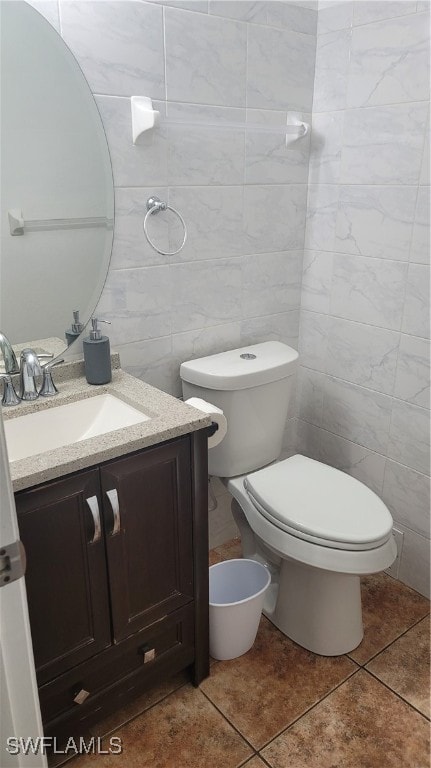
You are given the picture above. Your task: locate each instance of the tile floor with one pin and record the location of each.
(281, 706)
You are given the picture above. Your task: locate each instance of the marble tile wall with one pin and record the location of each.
(364, 328)
(243, 195)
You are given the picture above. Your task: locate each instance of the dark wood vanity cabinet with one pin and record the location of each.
(117, 579)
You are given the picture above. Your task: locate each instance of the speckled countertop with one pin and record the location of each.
(169, 418)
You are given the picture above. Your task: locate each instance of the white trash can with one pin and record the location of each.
(237, 591)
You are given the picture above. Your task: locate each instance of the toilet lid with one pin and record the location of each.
(319, 503)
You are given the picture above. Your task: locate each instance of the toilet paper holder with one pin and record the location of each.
(212, 429)
(217, 429)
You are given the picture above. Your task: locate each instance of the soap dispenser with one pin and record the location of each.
(97, 355)
(75, 329)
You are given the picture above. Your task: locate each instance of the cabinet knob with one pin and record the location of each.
(148, 653)
(81, 696)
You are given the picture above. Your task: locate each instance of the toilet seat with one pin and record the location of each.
(308, 551)
(319, 504)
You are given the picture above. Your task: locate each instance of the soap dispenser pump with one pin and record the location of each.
(75, 329)
(97, 355)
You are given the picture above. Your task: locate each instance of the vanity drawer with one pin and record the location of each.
(158, 645)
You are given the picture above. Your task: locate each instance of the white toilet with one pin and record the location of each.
(316, 528)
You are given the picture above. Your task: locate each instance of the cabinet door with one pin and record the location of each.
(66, 576)
(148, 521)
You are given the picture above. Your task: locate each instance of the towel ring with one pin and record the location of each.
(155, 205)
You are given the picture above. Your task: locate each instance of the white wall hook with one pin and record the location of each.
(144, 117)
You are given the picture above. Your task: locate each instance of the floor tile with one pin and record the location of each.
(230, 550)
(255, 762)
(263, 691)
(388, 608)
(360, 725)
(57, 760)
(139, 705)
(405, 666)
(184, 730)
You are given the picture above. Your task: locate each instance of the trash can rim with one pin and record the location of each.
(254, 594)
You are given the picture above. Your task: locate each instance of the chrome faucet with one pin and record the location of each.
(9, 357)
(30, 369)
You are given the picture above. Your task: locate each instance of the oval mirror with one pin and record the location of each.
(57, 200)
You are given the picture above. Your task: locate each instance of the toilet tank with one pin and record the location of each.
(252, 386)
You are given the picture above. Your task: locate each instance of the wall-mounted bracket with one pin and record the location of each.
(16, 221)
(293, 119)
(144, 117)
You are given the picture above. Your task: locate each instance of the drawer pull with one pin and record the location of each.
(81, 696)
(115, 506)
(94, 509)
(148, 653)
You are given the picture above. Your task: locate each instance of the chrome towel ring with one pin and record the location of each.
(155, 205)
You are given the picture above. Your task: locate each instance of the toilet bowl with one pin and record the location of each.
(316, 528)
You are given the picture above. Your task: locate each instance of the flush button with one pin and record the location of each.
(247, 356)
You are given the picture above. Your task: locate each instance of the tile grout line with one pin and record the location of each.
(359, 668)
(373, 450)
(313, 706)
(247, 760)
(244, 739)
(398, 695)
(264, 760)
(143, 711)
(376, 453)
(362, 666)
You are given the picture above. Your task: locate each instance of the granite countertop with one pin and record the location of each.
(169, 418)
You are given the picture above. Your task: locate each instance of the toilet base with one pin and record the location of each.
(320, 610)
(317, 608)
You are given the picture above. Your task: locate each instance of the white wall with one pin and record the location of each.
(364, 385)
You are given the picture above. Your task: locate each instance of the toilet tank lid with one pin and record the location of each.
(241, 368)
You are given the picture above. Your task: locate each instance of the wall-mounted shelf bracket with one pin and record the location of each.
(294, 121)
(144, 117)
(16, 221)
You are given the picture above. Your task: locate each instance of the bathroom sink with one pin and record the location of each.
(62, 425)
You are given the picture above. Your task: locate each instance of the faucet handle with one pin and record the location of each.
(10, 397)
(29, 357)
(48, 388)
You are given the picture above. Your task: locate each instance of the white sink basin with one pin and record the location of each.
(63, 425)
